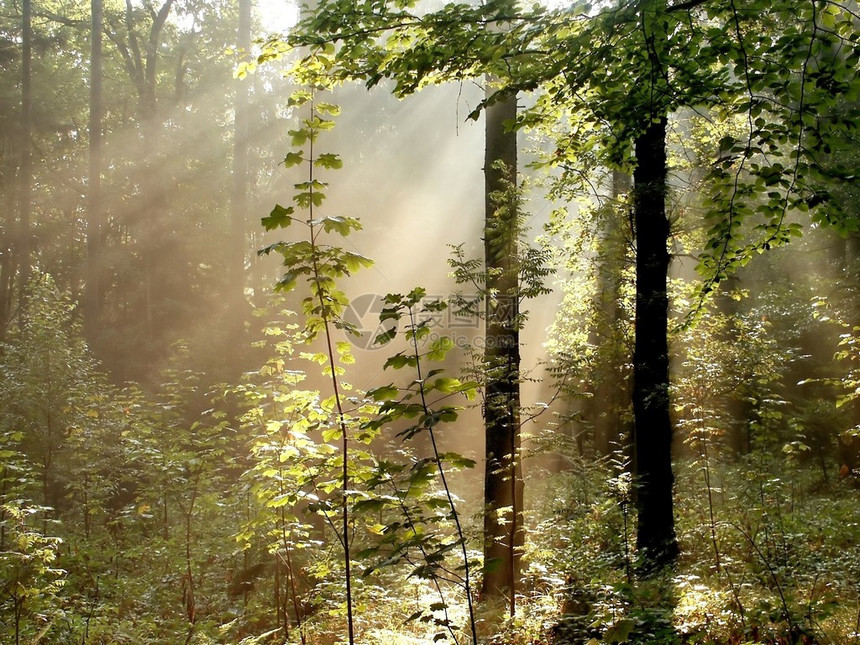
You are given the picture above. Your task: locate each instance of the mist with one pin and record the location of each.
(205, 435)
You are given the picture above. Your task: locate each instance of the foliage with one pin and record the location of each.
(293, 480)
(729, 361)
(424, 512)
(785, 561)
(713, 57)
(173, 511)
(390, 487)
(31, 580)
(590, 341)
(189, 76)
(49, 379)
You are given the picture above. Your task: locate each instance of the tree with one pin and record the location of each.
(47, 375)
(239, 191)
(611, 397)
(25, 169)
(651, 403)
(628, 68)
(652, 433)
(166, 193)
(92, 297)
(30, 580)
(503, 484)
(142, 66)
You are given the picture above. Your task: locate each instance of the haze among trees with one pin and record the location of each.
(386, 321)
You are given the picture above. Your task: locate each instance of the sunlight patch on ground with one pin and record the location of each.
(390, 637)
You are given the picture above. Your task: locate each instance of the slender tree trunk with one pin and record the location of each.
(656, 539)
(239, 192)
(26, 163)
(849, 446)
(503, 486)
(612, 390)
(154, 226)
(7, 261)
(92, 295)
(738, 408)
(190, 596)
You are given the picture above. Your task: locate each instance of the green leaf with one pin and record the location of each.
(286, 283)
(446, 385)
(316, 125)
(329, 160)
(385, 337)
(293, 159)
(469, 389)
(354, 261)
(457, 461)
(384, 393)
(328, 108)
(342, 225)
(389, 313)
(620, 631)
(280, 217)
(304, 200)
(299, 137)
(399, 361)
(299, 97)
(439, 348)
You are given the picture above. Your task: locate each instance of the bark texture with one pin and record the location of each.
(503, 487)
(656, 538)
(92, 295)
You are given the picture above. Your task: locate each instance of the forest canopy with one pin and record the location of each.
(401, 321)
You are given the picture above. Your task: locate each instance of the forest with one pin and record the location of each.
(429, 321)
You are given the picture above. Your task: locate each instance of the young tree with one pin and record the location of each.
(47, 374)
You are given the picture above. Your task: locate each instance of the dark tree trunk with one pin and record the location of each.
(503, 487)
(656, 539)
(92, 295)
(849, 446)
(26, 163)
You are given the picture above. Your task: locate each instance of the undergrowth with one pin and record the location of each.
(789, 574)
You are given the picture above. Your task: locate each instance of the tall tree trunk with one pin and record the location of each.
(608, 406)
(503, 486)
(92, 295)
(848, 445)
(652, 425)
(239, 192)
(25, 186)
(7, 260)
(141, 64)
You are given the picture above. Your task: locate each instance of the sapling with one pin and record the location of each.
(413, 402)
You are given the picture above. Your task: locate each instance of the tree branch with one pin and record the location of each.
(685, 6)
